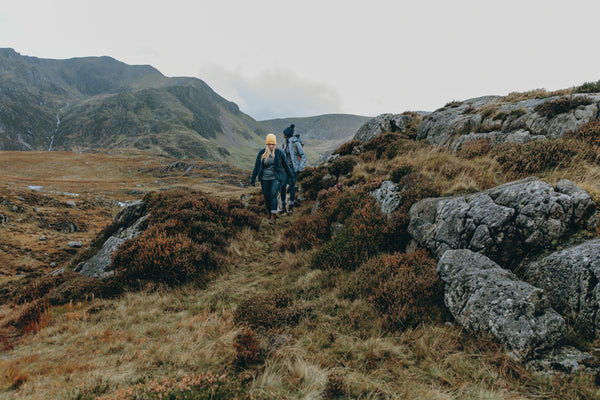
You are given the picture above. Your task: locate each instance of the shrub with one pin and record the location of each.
(56, 289)
(30, 317)
(588, 133)
(310, 179)
(342, 165)
(475, 148)
(519, 112)
(550, 109)
(404, 288)
(306, 232)
(184, 243)
(166, 258)
(247, 348)
(452, 104)
(588, 87)
(361, 238)
(337, 386)
(379, 145)
(398, 173)
(520, 160)
(270, 310)
(203, 386)
(346, 148)
(500, 116)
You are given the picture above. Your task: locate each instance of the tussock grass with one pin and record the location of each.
(515, 97)
(325, 344)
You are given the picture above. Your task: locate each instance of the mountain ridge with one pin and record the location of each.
(100, 102)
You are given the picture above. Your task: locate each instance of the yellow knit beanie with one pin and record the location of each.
(271, 139)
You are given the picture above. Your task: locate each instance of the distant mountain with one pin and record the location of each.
(99, 102)
(321, 134)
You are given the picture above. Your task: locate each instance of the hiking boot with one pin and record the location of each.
(272, 218)
(290, 210)
(283, 208)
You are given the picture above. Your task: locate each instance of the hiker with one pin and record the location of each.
(289, 131)
(271, 169)
(296, 161)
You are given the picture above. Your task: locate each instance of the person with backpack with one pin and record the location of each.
(271, 169)
(296, 161)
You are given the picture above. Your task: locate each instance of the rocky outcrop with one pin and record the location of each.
(504, 223)
(489, 300)
(129, 223)
(570, 279)
(500, 120)
(387, 197)
(381, 124)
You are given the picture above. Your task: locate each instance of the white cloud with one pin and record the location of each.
(272, 93)
(282, 58)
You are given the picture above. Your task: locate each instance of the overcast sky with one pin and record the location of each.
(279, 58)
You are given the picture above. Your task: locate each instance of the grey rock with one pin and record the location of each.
(570, 278)
(57, 272)
(505, 222)
(566, 359)
(97, 265)
(132, 220)
(328, 181)
(489, 300)
(381, 124)
(516, 122)
(336, 228)
(75, 244)
(387, 197)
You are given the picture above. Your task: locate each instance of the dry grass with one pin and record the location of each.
(337, 348)
(96, 183)
(515, 97)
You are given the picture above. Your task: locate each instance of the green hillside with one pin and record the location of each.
(99, 102)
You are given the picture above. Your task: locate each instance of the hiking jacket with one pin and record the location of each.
(281, 167)
(298, 155)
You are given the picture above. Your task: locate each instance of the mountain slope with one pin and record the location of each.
(99, 102)
(321, 134)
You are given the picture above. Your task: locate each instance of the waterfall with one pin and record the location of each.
(57, 125)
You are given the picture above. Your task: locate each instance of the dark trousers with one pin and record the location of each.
(270, 189)
(291, 182)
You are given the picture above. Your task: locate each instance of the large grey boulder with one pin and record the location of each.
(381, 124)
(489, 300)
(500, 120)
(130, 222)
(570, 278)
(505, 222)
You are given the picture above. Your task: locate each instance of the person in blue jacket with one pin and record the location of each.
(296, 161)
(271, 169)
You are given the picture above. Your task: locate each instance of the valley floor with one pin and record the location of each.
(144, 344)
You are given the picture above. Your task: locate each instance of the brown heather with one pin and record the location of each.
(229, 306)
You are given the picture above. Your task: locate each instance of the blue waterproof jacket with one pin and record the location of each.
(298, 154)
(281, 167)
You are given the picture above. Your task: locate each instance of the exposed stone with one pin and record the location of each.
(387, 197)
(505, 222)
(489, 300)
(570, 278)
(381, 124)
(565, 359)
(328, 181)
(132, 221)
(498, 120)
